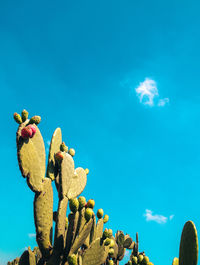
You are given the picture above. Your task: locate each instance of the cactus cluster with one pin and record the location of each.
(79, 237)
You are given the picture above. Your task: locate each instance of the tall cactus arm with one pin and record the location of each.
(43, 215)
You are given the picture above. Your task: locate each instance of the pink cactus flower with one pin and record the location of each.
(33, 129)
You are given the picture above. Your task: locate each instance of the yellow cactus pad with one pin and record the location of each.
(31, 157)
(43, 215)
(78, 183)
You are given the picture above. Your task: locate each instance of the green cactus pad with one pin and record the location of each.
(43, 215)
(66, 175)
(188, 252)
(81, 237)
(175, 261)
(96, 254)
(31, 158)
(60, 225)
(128, 241)
(56, 141)
(78, 183)
(99, 231)
(93, 230)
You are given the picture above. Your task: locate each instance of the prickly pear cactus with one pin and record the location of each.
(79, 236)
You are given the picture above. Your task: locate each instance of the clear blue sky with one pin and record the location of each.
(121, 78)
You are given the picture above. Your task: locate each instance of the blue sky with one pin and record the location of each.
(121, 78)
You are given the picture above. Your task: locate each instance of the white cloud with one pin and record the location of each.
(160, 219)
(31, 235)
(148, 94)
(163, 102)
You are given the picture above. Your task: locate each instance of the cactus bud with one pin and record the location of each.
(110, 262)
(110, 232)
(134, 260)
(72, 260)
(87, 171)
(140, 258)
(72, 152)
(107, 241)
(106, 218)
(63, 147)
(66, 223)
(100, 213)
(33, 129)
(74, 205)
(90, 204)
(26, 132)
(17, 118)
(82, 202)
(24, 115)
(88, 214)
(35, 119)
(59, 156)
(145, 260)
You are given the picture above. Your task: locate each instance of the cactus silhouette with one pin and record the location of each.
(79, 238)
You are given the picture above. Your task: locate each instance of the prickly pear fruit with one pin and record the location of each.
(17, 118)
(107, 241)
(66, 223)
(110, 262)
(112, 243)
(145, 260)
(74, 205)
(88, 214)
(134, 260)
(71, 152)
(87, 171)
(129, 262)
(106, 218)
(59, 157)
(72, 259)
(105, 233)
(26, 132)
(35, 119)
(150, 263)
(24, 115)
(90, 204)
(82, 202)
(33, 129)
(63, 147)
(100, 213)
(140, 258)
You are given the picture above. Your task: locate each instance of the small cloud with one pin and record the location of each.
(148, 94)
(32, 235)
(160, 219)
(171, 217)
(163, 102)
(147, 91)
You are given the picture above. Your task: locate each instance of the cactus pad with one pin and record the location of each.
(56, 141)
(43, 215)
(31, 152)
(96, 254)
(78, 183)
(188, 252)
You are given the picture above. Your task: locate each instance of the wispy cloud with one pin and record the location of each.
(31, 235)
(160, 219)
(148, 94)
